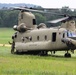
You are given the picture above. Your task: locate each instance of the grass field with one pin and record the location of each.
(12, 64)
(5, 35)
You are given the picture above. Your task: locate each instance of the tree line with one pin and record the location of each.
(9, 18)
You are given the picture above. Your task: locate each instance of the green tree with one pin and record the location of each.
(40, 18)
(8, 18)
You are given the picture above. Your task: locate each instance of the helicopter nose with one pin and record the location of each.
(68, 42)
(64, 40)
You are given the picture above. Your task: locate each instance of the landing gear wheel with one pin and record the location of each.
(43, 53)
(12, 47)
(68, 55)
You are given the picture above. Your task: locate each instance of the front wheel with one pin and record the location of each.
(68, 55)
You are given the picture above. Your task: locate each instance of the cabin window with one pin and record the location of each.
(37, 37)
(34, 22)
(54, 37)
(45, 37)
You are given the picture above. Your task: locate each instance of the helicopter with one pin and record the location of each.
(35, 39)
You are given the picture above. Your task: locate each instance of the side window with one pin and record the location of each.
(37, 37)
(34, 22)
(45, 37)
(54, 37)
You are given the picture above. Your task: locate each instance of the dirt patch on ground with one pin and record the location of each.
(6, 45)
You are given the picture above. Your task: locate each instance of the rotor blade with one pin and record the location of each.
(29, 9)
(21, 8)
(44, 11)
(58, 20)
(18, 8)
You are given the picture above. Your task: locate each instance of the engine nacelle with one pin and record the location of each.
(15, 27)
(21, 28)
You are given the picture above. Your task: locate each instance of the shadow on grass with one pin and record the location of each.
(37, 55)
(58, 56)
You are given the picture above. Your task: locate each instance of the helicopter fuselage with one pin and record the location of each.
(41, 39)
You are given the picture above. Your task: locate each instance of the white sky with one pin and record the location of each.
(45, 3)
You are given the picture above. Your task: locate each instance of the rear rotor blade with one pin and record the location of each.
(58, 20)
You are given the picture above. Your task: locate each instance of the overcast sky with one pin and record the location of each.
(45, 3)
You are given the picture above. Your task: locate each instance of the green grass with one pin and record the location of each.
(5, 35)
(12, 64)
(35, 65)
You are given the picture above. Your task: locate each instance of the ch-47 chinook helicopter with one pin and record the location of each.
(38, 39)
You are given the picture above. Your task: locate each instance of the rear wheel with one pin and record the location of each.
(43, 53)
(13, 47)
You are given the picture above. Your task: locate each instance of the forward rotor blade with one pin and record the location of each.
(29, 9)
(58, 20)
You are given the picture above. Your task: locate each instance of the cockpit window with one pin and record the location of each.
(71, 34)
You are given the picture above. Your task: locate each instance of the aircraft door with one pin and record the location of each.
(53, 40)
(54, 37)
